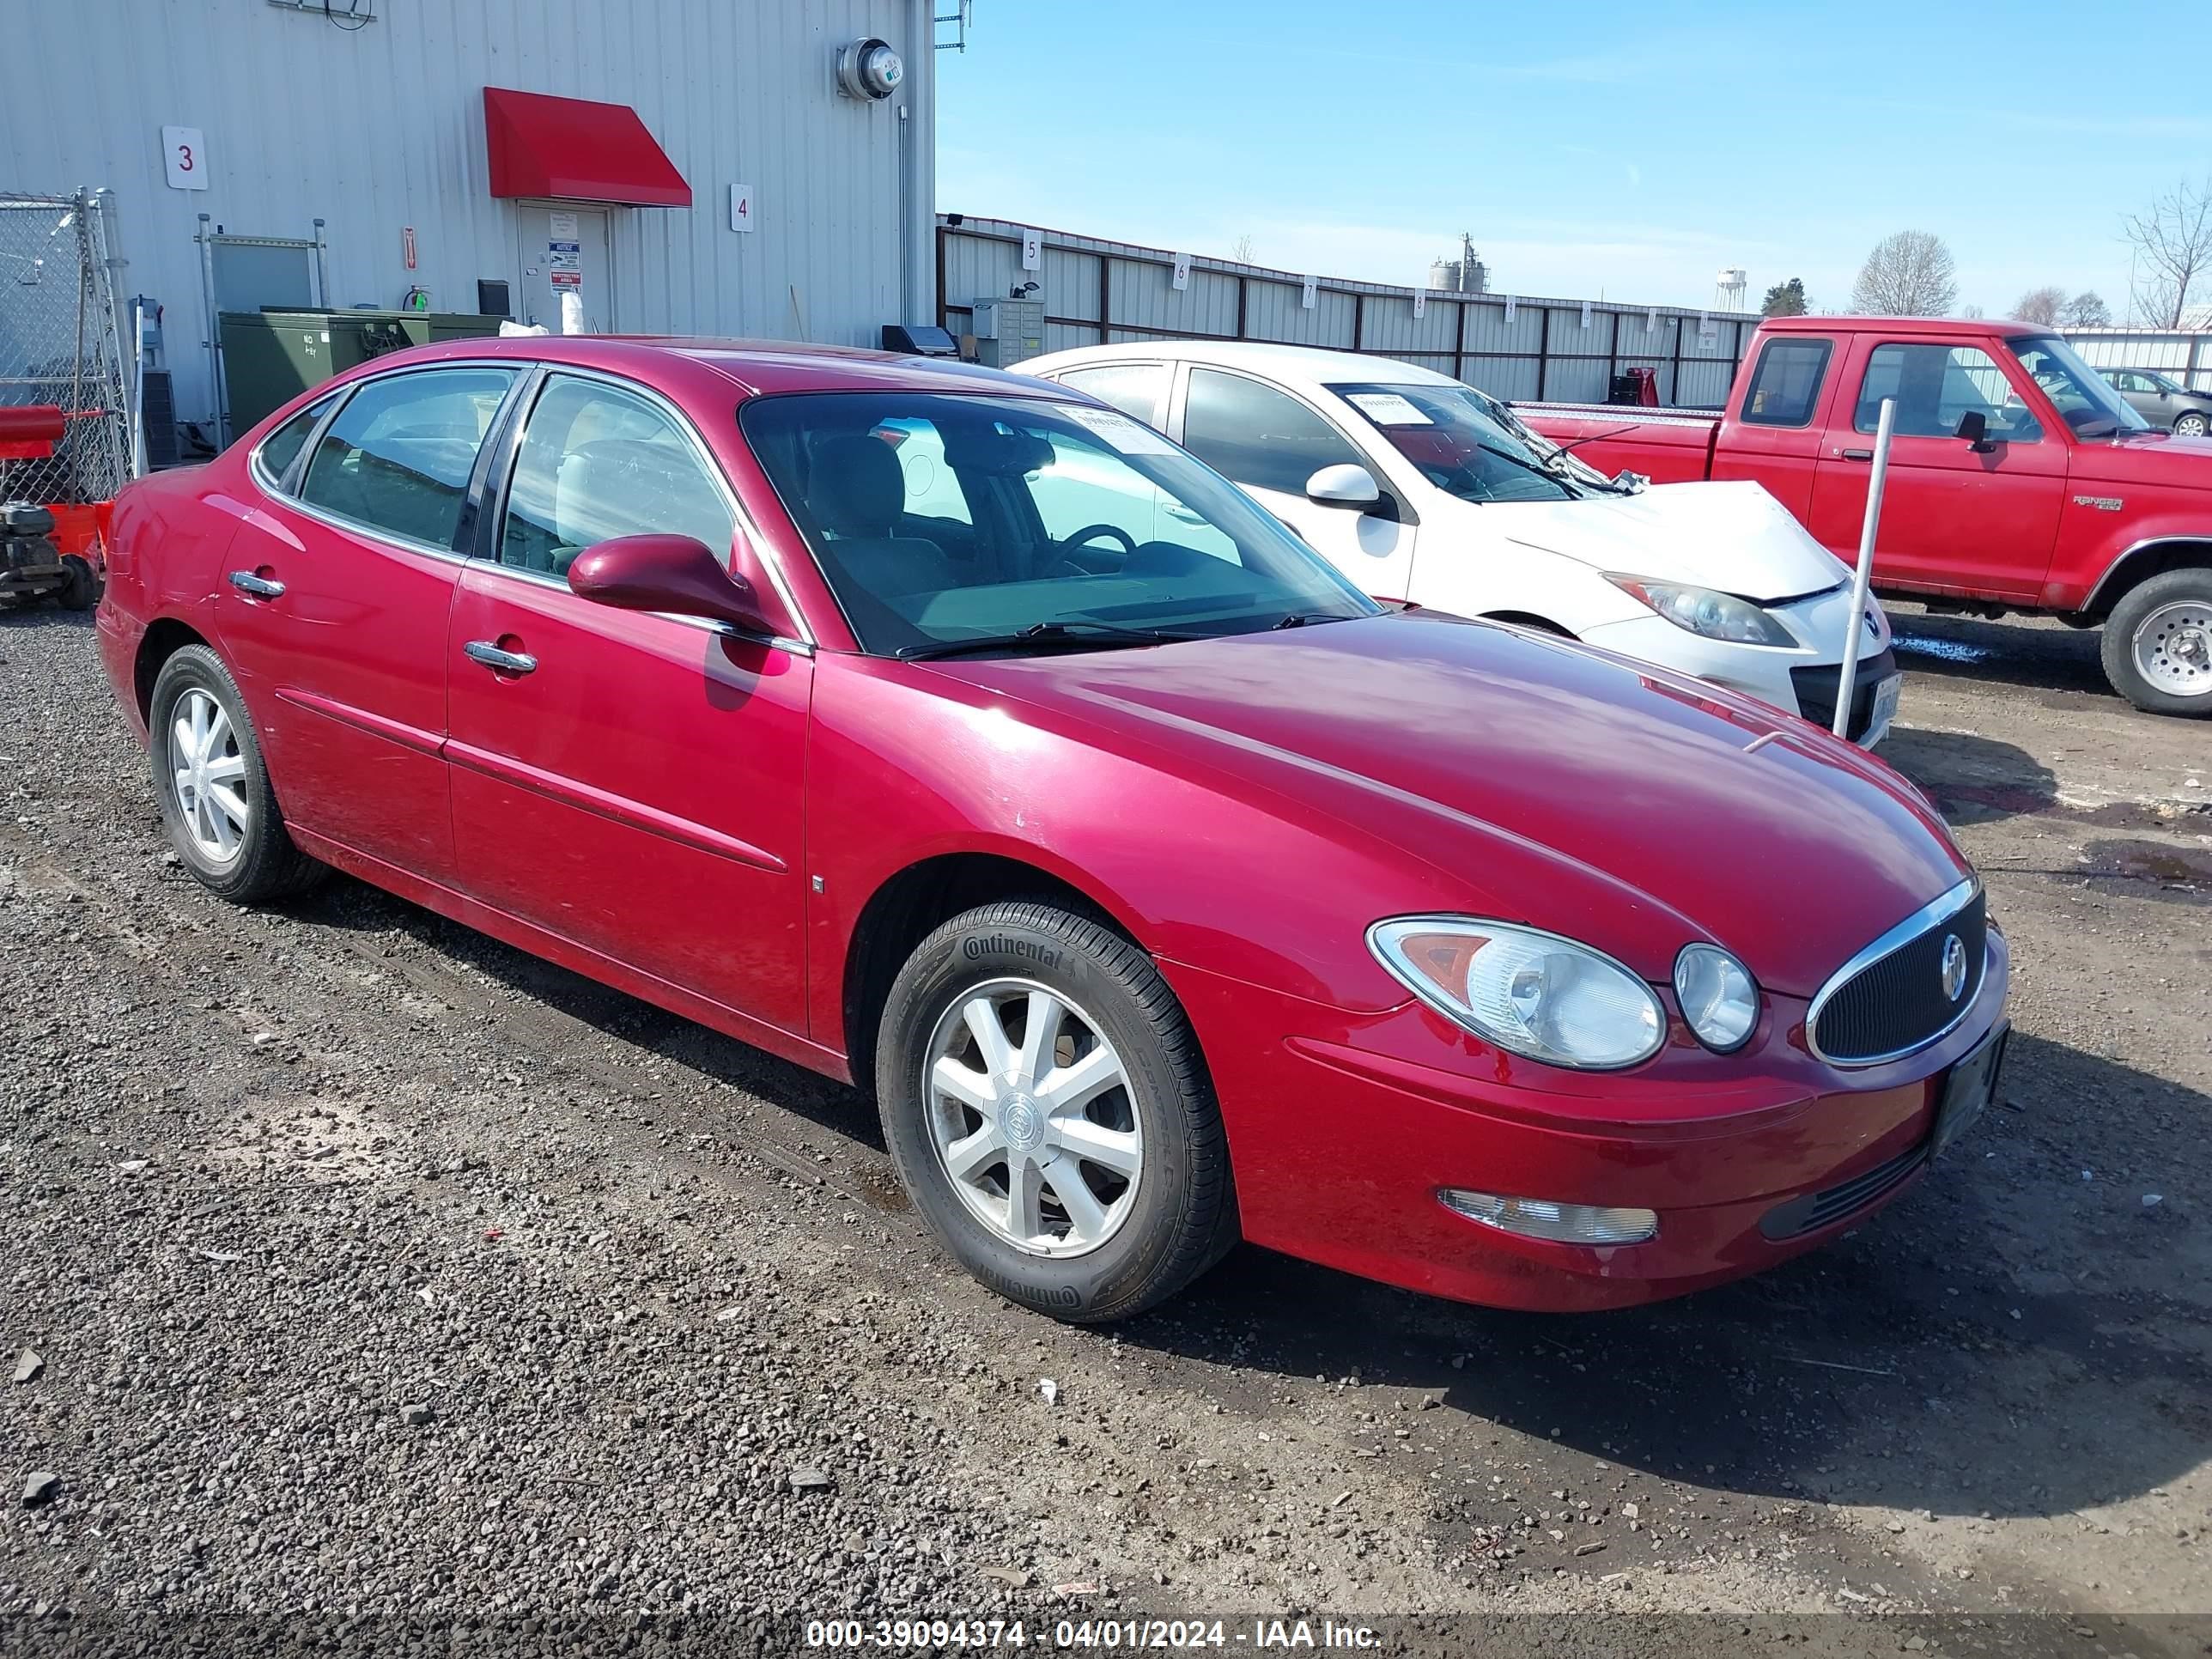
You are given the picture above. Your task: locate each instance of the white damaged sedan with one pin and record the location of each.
(1420, 488)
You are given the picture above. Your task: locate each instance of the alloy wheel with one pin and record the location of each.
(208, 771)
(1030, 1115)
(2173, 648)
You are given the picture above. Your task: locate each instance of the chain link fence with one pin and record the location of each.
(60, 345)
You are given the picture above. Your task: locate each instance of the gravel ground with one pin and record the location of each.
(357, 1264)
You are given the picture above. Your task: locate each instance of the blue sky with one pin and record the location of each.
(1627, 148)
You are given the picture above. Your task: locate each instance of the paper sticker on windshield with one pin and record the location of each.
(1131, 437)
(1388, 408)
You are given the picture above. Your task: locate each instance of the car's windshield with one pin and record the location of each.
(1460, 445)
(2083, 397)
(939, 520)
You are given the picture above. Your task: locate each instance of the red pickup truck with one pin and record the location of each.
(2019, 480)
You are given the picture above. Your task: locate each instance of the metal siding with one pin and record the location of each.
(382, 127)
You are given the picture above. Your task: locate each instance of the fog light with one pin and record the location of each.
(1563, 1224)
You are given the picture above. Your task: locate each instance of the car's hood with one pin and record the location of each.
(1733, 536)
(1550, 783)
(2142, 458)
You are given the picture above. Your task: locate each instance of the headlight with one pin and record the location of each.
(1703, 612)
(1718, 997)
(1532, 993)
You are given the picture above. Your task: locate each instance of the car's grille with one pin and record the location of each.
(1816, 692)
(1814, 1211)
(1897, 1001)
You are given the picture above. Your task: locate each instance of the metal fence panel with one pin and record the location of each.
(60, 344)
(2185, 356)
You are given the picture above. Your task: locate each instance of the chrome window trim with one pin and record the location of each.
(738, 515)
(1924, 920)
(257, 470)
(541, 579)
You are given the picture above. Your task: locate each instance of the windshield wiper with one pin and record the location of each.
(1304, 618)
(1044, 635)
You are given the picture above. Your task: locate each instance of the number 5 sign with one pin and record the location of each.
(184, 154)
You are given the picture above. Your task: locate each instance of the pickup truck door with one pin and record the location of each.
(1774, 434)
(1271, 440)
(1955, 517)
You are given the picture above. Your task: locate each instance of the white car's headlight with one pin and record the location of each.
(1719, 998)
(1703, 612)
(1533, 992)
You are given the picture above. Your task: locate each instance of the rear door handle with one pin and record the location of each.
(506, 662)
(260, 587)
(1855, 454)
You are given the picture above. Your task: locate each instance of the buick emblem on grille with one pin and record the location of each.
(1954, 967)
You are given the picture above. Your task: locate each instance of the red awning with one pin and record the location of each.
(572, 150)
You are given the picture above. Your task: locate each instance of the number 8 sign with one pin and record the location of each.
(184, 156)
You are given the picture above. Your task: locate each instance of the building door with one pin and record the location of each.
(563, 252)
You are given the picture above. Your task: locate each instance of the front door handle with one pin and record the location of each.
(1855, 454)
(506, 662)
(260, 587)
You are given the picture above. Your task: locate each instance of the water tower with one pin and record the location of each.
(1729, 284)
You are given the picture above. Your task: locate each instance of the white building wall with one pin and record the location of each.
(381, 127)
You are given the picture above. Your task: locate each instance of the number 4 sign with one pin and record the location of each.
(184, 156)
(741, 207)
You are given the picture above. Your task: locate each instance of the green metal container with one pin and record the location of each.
(269, 358)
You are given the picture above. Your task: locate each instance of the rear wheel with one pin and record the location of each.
(2157, 647)
(1045, 1105)
(2189, 426)
(221, 815)
(80, 589)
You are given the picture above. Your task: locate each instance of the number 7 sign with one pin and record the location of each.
(183, 157)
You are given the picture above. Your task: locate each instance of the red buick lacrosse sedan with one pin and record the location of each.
(951, 733)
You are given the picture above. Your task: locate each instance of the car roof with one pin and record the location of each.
(754, 368)
(1901, 325)
(1308, 367)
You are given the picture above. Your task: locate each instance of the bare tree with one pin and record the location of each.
(2087, 309)
(2040, 304)
(1240, 249)
(2172, 241)
(1909, 274)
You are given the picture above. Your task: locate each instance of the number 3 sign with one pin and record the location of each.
(183, 155)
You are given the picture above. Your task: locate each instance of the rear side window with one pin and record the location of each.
(1139, 390)
(1257, 435)
(1786, 385)
(398, 458)
(281, 447)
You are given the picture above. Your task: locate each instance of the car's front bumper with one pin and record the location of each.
(1344, 1129)
(1803, 681)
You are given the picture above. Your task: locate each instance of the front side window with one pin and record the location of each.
(1082, 523)
(2084, 399)
(1138, 390)
(1458, 439)
(1787, 383)
(1937, 386)
(398, 458)
(281, 447)
(596, 463)
(1260, 437)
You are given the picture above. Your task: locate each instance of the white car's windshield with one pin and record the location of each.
(1461, 445)
(947, 522)
(2084, 398)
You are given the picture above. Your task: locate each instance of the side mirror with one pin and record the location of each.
(1344, 485)
(1974, 428)
(677, 574)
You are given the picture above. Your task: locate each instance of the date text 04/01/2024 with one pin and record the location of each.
(923, 1635)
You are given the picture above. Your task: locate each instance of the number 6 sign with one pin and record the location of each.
(183, 155)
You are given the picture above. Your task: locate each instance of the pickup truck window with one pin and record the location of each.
(1787, 383)
(1934, 385)
(2083, 399)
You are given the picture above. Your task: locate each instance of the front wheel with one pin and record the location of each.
(2157, 647)
(2189, 426)
(1047, 1109)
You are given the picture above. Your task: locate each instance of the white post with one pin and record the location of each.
(1863, 578)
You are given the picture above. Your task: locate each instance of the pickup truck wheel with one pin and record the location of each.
(2189, 426)
(1047, 1110)
(2158, 644)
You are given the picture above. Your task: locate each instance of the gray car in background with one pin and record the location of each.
(2162, 402)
